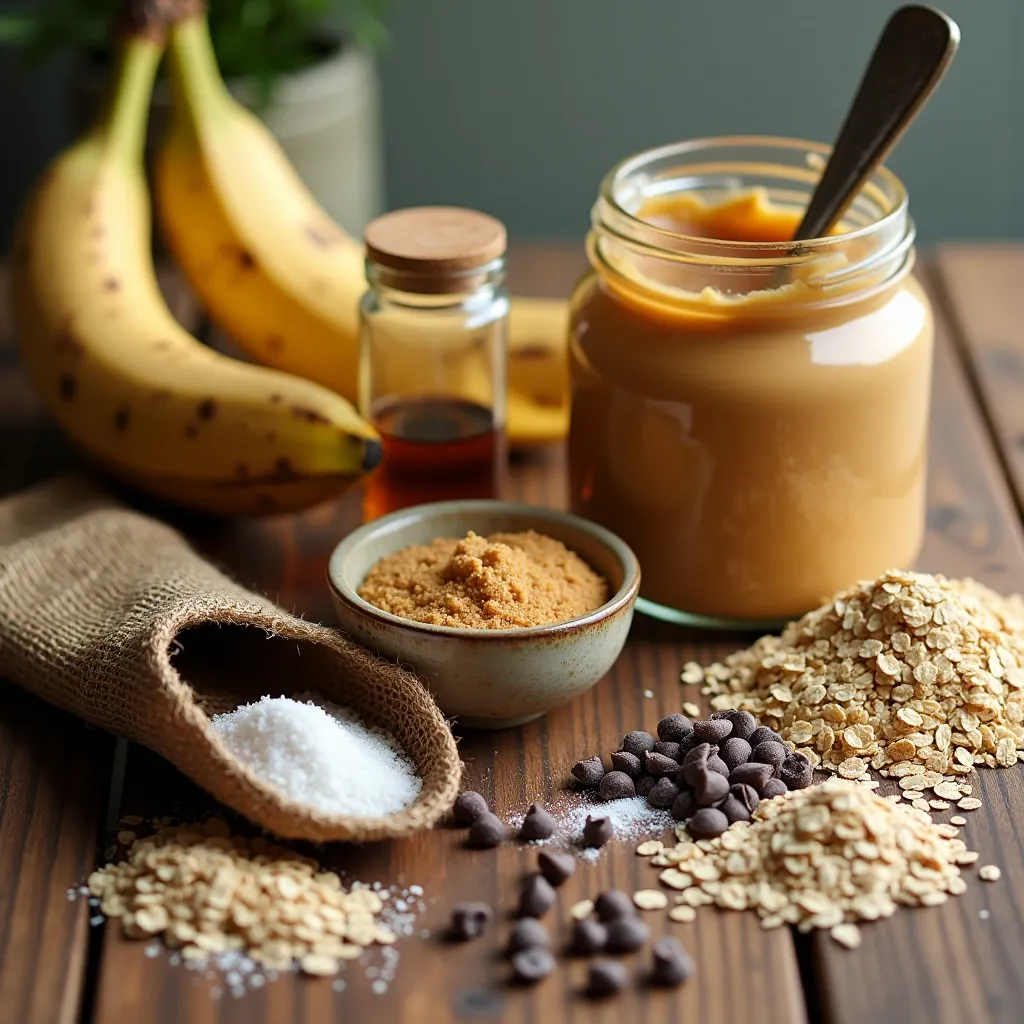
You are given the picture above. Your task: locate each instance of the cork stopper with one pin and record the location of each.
(434, 248)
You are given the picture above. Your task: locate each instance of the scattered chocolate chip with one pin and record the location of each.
(627, 934)
(628, 764)
(605, 978)
(637, 743)
(769, 752)
(663, 793)
(772, 788)
(468, 807)
(752, 774)
(796, 771)
(556, 867)
(716, 764)
(743, 722)
(470, 920)
(589, 772)
(714, 730)
(616, 785)
(597, 830)
(659, 764)
(696, 762)
(644, 784)
(488, 830)
(684, 806)
(528, 933)
(538, 824)
(537, 897)
(734, 751)
(707, 823)
(762, 734)
(668, 749)
(672, 964)
(673, 728)
(612, 904)
(588, 937)
(710, 788)
(532, 965)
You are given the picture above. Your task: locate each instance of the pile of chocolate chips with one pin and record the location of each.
(709, 773)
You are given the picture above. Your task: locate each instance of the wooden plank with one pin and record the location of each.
(287, 558)
(954, 963)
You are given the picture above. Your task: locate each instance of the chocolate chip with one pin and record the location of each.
(532, 965)
(696, 762)
(588, 937)
(762, 734)
(605, 978)
(528, 933)
(537, 897)
(628, 763)
(740, 803)
(589, 772)
(616, 785)
(556, 867)
(769, 752)
(686, 744)
(469, 920)
(627, 934)
(684, 805)
(612, 904)
(488, 830)
(468, 807)
(597, 830)
(743, 722)
(734, 751)
(746, 795)
(659, 764)
(796, 771)
(668, 749)
(707, 823)
(752, 773)
(716, 764)
(714, 730)
(663, 793)
(538, 824)
(673, 728)
(772, 788)
(672, 964)
(637, 743)
(644, 784)
(709, 788)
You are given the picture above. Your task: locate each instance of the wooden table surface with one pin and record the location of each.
(64, 786)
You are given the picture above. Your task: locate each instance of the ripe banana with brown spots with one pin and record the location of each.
(143, 398)
(276, 274)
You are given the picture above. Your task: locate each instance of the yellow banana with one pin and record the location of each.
(276, 274)
(129, 385)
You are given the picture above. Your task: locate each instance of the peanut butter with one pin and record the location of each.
(758, 447)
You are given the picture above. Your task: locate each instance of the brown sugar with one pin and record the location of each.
(505, 581)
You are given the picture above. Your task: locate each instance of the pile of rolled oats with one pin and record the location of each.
(208, 892)
(906, 674)
(823, 857)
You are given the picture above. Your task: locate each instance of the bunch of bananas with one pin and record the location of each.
(143, 398)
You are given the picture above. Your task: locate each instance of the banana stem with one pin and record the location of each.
(196, 77)
(124, 121)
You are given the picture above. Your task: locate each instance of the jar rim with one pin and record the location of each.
(896, 194)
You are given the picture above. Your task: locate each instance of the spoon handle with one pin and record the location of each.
(911, 56)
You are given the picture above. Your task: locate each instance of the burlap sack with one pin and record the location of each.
(110, 614)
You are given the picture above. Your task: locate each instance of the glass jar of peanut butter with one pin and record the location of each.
(750, 415)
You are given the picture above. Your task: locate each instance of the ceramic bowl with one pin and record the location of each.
(490, 678)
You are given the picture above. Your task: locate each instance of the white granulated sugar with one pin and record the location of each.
(320, 756)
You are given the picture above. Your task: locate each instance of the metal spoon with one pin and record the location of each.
(910, 58)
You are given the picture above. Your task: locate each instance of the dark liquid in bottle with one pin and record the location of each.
(435, 449)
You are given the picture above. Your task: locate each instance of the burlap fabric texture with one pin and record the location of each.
(111, 615)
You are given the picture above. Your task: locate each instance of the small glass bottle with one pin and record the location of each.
(432, 356)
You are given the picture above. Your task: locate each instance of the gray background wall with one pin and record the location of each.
(519, 108)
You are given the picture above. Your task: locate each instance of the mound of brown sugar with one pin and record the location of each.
(504, 581)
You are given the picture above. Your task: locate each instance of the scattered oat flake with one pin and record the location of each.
(126, 838)
(650, 848)
(650, 899)
(847, 935)
(582, 909)
(969, 803)
(958, 819)
(682, 913)
(989, 873)
(691, 709)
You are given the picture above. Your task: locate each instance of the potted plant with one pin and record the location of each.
(306, 66)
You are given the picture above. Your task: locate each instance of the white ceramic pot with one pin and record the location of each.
(327, 118)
